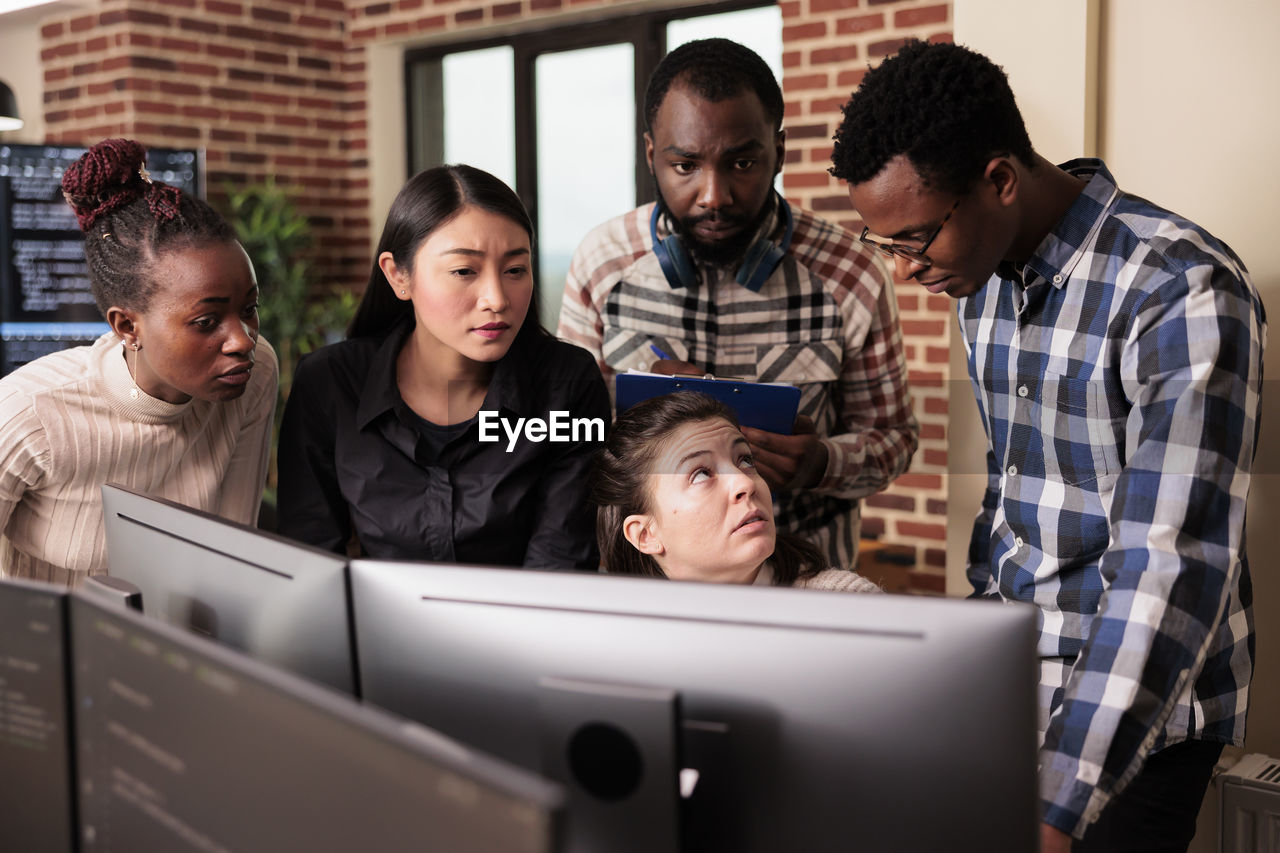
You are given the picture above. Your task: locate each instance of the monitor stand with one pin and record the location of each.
(615, 748)
(113, 591)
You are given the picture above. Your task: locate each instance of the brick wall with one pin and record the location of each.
(827, 46)
(263, 87)
(280, 87)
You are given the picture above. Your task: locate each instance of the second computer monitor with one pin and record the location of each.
(816, 721)
(183, 745)
(277, 600)
(37, 810)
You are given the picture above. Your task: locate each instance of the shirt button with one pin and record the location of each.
(1018, 541)
(1013, 470)
(1057, 279)
(1022, 391)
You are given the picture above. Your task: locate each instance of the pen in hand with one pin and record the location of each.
(668, 366)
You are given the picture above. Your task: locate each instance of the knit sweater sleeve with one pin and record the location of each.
(839, 580)
(24, 453)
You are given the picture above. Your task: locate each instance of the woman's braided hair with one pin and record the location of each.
(129, 221)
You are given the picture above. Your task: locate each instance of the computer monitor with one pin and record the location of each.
(272, 598)
(816, 721)
(37, 810)
(185, 745)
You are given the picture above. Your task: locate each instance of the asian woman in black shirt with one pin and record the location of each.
(449, 426)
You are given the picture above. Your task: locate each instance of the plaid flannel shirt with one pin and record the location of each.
(1118, 375)
(826, 320)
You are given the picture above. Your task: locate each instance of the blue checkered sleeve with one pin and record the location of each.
(1119, 377)
(979, 566)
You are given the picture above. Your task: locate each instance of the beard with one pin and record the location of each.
(728, 252)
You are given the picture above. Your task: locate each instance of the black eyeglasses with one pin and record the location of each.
(911, 253)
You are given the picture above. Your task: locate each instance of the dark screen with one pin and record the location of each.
(35, 763)
(186, 745)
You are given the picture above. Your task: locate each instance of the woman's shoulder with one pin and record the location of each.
(547, 351)
(51, 397)
(349, 358)
(573, 369)
(70, 366)
(838, 580)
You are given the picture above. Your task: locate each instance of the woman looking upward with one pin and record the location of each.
(679, 497)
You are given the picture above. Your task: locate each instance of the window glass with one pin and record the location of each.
(759, 29)
(479, 111)
(585, 107)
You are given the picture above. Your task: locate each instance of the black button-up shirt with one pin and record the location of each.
(352, 456)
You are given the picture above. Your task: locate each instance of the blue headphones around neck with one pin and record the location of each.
(761, 259)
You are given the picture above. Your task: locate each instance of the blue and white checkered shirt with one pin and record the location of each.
(1118, 375)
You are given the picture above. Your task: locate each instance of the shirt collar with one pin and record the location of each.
(380, 394)
(507, 387)
(1064, 247)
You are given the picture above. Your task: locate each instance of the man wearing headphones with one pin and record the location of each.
(722, 276)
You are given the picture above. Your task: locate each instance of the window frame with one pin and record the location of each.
(645, 31)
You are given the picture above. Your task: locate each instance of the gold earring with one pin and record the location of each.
(133, 395)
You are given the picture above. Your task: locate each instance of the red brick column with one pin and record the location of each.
(263, 87)
(827, 46)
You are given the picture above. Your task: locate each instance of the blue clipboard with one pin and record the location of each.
(768, 407)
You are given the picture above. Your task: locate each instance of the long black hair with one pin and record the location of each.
(429, 200)
(620, 486)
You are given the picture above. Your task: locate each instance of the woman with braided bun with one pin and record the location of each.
(175, 401)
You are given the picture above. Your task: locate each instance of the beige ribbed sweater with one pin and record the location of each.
(831, 580)
(839, 580)
(68, 425)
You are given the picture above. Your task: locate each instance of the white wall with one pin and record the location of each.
(21, 68)
(388, 160)
(1189, 120)
(1184, 115)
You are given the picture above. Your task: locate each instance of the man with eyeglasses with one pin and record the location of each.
(1116, 353)
(723, 276)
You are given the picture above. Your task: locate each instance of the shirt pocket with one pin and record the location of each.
(1080, 438)
(627, 349)
(813, 367)
(799, 364)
